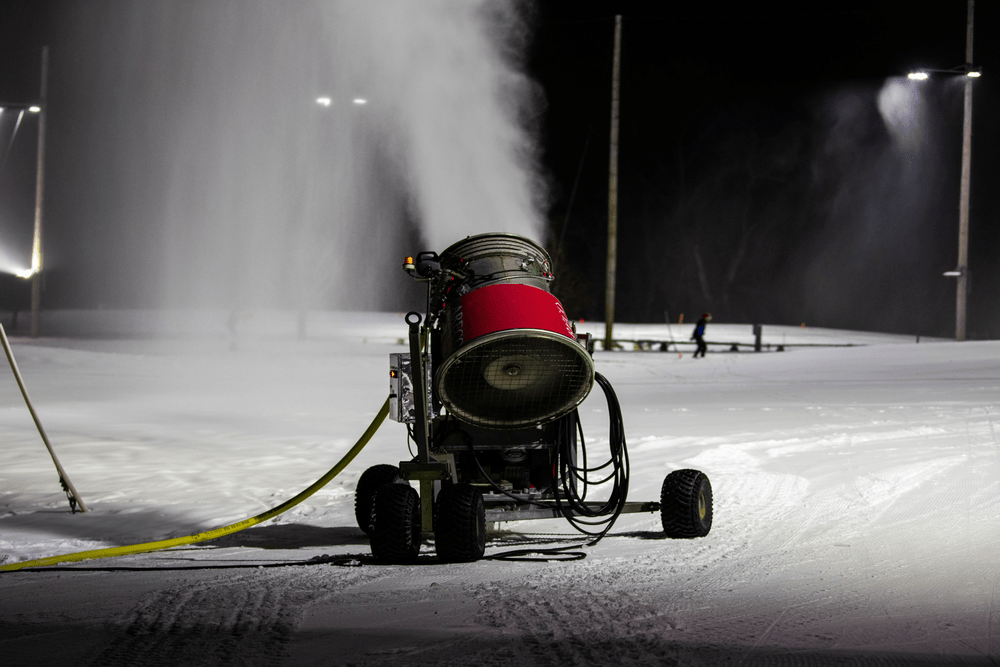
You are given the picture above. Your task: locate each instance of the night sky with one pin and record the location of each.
(751, 143)
(758, 179)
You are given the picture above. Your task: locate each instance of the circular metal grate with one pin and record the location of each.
(517, 378)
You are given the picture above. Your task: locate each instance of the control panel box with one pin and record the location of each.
(401, 406)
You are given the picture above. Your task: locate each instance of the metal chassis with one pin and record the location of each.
(513, 512)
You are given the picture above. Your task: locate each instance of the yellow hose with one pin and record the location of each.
(216, 532)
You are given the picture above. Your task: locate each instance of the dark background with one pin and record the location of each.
(757, 178)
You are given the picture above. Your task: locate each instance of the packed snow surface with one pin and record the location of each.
(857, 508)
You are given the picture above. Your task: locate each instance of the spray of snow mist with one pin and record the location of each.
(338, 124)
(454, 106)
(901, 108)
(249, 154)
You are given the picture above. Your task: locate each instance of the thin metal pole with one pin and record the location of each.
(420, 393)
(36, 248)
(962, 296)
(74, 497)
(609, 293)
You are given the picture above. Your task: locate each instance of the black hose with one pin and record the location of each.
(571, 483)
(570, 499)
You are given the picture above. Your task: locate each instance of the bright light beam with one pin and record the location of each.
(36, 260)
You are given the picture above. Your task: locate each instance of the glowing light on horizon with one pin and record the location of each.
(324, 101)
(917, 76)
(24, 273)
(360, 100)
(36, 261)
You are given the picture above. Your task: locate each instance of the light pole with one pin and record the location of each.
(962, 293)
(34, 273)
(326, 102)
(612, 263)
(36, 246)
(962, 271)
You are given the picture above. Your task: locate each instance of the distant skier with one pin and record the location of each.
(699, 335)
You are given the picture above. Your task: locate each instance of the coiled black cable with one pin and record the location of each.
(572, 482)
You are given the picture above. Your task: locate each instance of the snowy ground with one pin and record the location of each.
(857, 500)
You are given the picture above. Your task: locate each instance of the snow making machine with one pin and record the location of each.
(489, 393)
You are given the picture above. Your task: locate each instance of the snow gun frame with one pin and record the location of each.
(489, 391)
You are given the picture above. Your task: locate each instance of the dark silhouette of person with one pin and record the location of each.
(699, 335)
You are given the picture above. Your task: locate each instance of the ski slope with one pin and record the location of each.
(857, 498)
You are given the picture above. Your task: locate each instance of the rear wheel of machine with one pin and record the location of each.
(396, 524)
(686, 504)
(460, 524)
(372, 480)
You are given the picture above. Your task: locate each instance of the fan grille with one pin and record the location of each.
(513, 379)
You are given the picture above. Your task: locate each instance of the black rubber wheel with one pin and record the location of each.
(396, 524)
(686, 504)
(372, 480)
(460, 524)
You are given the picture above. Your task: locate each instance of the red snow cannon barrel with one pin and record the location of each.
(510, 357)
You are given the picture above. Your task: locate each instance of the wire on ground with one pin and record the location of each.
(216, 532)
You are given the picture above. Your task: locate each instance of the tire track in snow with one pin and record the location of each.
(990, 472)
(577, 623)
(243, 619)
(788, 525)
(924, 525)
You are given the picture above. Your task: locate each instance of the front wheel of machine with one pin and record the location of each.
(395, 534)
(460, 524)
(372, 480)
(686, 504)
